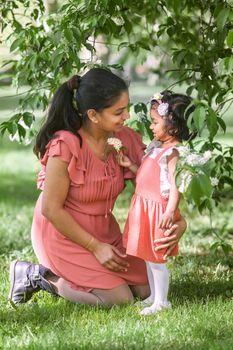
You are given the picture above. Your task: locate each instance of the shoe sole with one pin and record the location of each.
(12, 281)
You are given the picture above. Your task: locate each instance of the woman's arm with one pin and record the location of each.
(56, 189)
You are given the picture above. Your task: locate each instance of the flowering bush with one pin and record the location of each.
(194, 174)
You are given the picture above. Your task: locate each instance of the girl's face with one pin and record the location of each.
(158, 125)
(112, 119)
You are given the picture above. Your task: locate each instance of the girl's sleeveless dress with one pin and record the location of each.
(147, 206)
(94, 187)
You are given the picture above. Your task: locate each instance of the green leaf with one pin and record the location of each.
(12, 127)
(222, 124)
(200, 187)
(56, 58)
(68, 34)
(77, 34)
(21, 132)
(214, 246)
(199, 117)
(28, 118)
(89, 47)
(228, 63)
(230, 39)
(222, 18)
(227, 248)
(15, 45)
(33, 61)
(140, 107)
(212, 123)
(123, 44)
(180, 57)
(128, 26)
(140, 127)
(17, 25)
(148, 129)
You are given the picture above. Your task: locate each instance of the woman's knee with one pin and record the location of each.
(116, 296)
(141, 292)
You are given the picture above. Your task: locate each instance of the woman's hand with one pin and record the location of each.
(173, 234)
(110, 257)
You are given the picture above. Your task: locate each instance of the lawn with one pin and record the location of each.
(201, 289)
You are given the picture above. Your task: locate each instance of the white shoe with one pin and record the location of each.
(146, 302)
(155, 307)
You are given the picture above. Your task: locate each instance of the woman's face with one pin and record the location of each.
(157, 124)
(113, 118)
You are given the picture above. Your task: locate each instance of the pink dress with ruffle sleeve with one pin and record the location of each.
(94, 187)
(147, 207)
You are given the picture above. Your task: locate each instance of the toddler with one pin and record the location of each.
(154, 206)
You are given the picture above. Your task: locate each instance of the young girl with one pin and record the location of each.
(154, 206)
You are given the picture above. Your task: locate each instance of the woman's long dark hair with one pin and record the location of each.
(97, 89)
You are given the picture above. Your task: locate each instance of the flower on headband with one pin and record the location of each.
(115, 143)
(162, 109)
(156, 97)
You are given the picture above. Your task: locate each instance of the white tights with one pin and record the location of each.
(158, 277)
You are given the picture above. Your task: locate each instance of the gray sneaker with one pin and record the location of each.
(26, 279)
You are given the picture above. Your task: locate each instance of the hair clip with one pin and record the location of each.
(163, 109)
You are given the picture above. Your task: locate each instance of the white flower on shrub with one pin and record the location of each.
(115, 143)
(207, 155)
(194, 159)
(183, 151)
(214, 181)
(186, 178)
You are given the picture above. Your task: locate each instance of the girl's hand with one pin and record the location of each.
(110, 257)
(173, 236)
(166, 220)
(123, 160)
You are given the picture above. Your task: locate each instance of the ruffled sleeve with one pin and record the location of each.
(135, 148)
(152, 145)
(65, 146)
(164, 175)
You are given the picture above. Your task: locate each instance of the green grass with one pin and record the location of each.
(201, 288)
(201, 284)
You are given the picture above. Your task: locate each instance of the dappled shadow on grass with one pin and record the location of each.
(57, 324)
(201, 277)
(18, 189)
(193, 290)
(42, 310)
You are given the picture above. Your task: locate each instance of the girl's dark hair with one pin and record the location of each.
(178, 113)
(97, 89)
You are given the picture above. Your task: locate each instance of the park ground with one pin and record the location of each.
(201, 289)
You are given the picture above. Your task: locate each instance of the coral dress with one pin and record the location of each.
(94, 187)
(147, 206)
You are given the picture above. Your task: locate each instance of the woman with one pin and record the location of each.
(74, 233)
